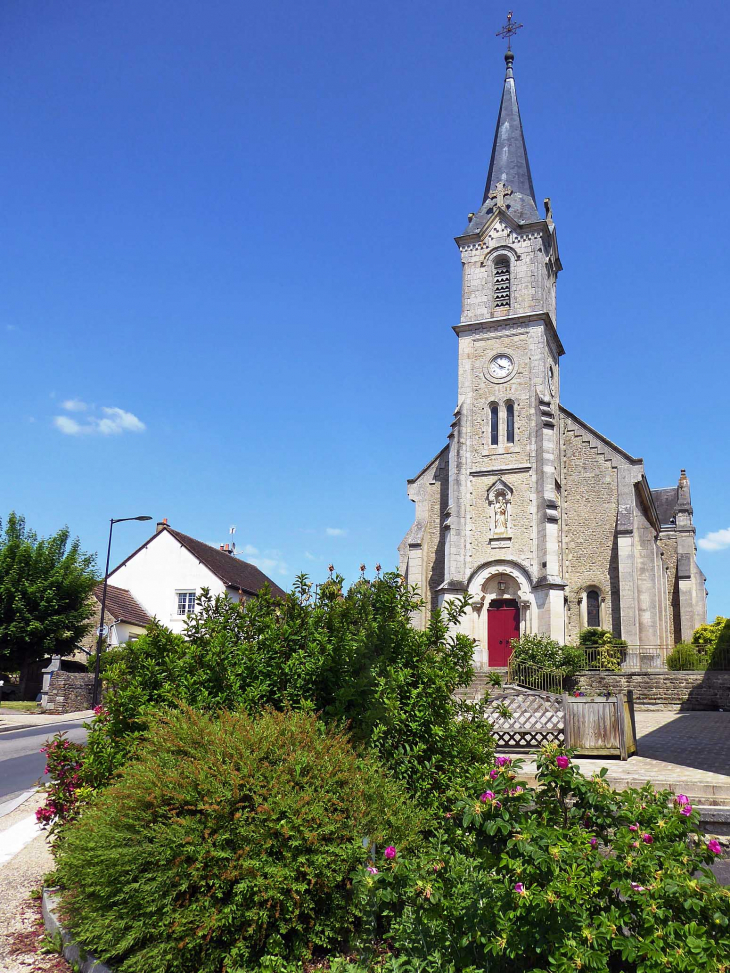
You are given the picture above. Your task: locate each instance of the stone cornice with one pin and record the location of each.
(519, 320)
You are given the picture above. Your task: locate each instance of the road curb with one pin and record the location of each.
(76, 955)
(40, 726)
(9, 806)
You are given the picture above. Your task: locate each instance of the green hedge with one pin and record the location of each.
(228, 841)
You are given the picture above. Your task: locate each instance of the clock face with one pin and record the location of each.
(501, 366)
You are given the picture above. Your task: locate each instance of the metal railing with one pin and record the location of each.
(534, 677)
(650, 658)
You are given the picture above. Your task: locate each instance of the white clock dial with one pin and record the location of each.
(500, 366)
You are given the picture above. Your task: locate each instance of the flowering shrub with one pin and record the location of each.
(569, 876)
(65, 792)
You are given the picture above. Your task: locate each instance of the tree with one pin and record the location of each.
(45, 595)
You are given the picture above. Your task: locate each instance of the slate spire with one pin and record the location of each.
(509, 164)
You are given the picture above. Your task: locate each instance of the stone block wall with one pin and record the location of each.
(70, 692)
(663, 690)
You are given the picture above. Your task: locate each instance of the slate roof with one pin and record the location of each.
(666, 503)
(122, 605)
(509, 163)
(232, 571)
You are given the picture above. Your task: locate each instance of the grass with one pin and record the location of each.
(20, 706)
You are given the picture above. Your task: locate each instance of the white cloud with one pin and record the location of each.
(249, 549)
(716, 540)
(270, 565)
(335, 532)
(74, 405)
(309, 557)
(113, 422)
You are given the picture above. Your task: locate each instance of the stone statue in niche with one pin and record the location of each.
(500, 515)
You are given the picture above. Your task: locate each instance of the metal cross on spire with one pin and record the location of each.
(508, 30)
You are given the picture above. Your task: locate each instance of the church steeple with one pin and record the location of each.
(509, 164)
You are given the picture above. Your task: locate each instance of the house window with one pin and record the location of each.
(494, 425)
(501, 282)
(510, 422)
(185, 602)
(593, 609)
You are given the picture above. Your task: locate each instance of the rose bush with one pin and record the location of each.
(569, 876)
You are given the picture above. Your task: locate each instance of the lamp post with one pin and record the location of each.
(97, 666)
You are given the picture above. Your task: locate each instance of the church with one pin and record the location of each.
(549, 525)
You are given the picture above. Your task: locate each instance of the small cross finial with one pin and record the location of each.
(508, 30)
(499, 192)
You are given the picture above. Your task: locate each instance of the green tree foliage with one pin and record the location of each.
(228, 841)
(45, 589)
(708, 634)
(353, 657)
(603, 650)
(720, 657)
(570, 876)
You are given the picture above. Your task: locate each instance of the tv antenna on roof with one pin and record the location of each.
(232, 530)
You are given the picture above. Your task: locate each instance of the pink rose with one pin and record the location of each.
(686, 810)
(494, 774)
(633, 827)
(503, 761)
(647, 839)
(372, 870)
(390, 852)
(681, 799)
(498, 804)
(714, 847)
(594, 842)
(563, 762)
(487, 796)
(637, 888)
(519, 887)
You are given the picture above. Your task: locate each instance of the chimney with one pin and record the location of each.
(161, 524)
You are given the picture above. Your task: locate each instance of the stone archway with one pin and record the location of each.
(496, 582)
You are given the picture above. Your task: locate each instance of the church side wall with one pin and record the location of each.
(433, 541)
(590, 507)
(668, 544)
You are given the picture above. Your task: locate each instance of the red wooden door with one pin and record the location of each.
(503, 625)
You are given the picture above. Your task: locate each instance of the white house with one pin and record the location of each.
(167, 573)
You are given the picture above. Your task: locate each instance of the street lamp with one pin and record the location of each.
(97, 666)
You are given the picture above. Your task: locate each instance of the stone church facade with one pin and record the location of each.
(546, 523)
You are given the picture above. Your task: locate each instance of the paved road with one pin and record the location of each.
(21, 763)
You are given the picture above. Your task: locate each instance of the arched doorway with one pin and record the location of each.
(503, 626)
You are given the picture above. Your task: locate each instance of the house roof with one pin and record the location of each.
(122, 605)
(231, 570)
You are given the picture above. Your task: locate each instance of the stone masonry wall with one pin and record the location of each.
(663, 690)
(433, 540)
(70, 692)
(590, 505)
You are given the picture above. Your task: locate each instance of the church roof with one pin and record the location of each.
(666, 503)
(509, 163)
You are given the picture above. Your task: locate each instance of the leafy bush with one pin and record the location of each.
(546, 653)
(686, 656)
(65, 793)
(228, 841)
(353, 657)
(603, 650)
(572, 876)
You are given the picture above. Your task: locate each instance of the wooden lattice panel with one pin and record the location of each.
(537, 718)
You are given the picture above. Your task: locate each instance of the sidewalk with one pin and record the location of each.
(21, 926)
(26, 721)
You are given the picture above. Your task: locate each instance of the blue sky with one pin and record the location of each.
(227, 230)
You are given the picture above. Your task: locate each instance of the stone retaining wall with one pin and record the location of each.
(70, 692)
(663, 690)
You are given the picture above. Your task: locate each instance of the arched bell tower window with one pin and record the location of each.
(502, 286)
(494, 425)
(593, 609)
(510, 422)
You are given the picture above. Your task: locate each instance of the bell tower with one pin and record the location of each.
(503, 512)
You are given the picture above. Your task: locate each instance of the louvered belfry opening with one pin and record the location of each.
(501, 282)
